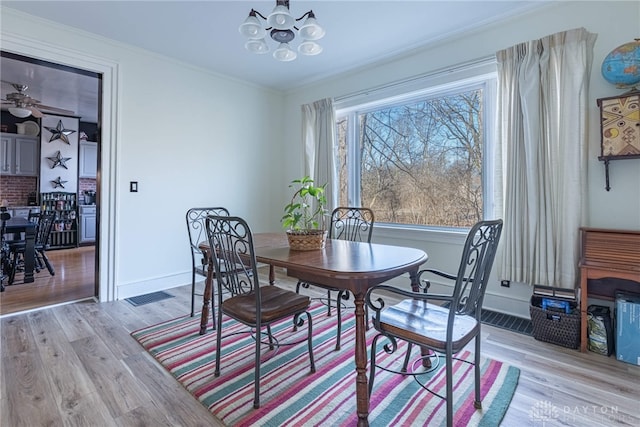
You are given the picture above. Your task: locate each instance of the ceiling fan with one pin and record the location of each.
(23, 105)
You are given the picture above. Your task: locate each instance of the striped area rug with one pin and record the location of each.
(292, 396)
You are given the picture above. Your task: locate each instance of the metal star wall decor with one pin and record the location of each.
(59, 132)
(58, 182)
(58, 160)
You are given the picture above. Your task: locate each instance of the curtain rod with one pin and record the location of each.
(442, 71)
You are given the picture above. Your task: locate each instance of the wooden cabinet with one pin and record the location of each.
(88, 166)
(19, 154)
(606, 254)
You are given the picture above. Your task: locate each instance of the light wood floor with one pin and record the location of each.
(74, 280)
(78, 365)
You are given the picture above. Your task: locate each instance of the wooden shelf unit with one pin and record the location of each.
(611, 254)
(65, 228)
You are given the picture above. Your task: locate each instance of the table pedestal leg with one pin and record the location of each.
(362, 386)
(206, 299)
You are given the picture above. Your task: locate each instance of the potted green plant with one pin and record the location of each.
(304, 215)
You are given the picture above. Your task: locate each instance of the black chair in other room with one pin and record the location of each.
(5, 260)
(43, 232)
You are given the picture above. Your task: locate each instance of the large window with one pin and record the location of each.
(419, 159)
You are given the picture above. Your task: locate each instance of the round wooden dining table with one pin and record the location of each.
(354, 266)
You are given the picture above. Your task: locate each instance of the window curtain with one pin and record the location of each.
(542, 149)
(318, 130)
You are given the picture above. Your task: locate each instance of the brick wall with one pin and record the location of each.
(86, 184)
(15, 189)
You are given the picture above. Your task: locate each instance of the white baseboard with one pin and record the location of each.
(506, 305)
(492, 301)
(143, 287)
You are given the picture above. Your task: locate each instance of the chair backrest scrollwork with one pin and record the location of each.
(475, 266)
(231, 244)
(350, 223)
(196, 227)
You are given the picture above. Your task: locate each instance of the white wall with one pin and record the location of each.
(69, 150)
(614, 22)
(189, 137)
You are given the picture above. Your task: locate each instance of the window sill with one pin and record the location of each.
(421, 234)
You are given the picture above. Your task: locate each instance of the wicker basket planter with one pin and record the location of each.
(553, 326)
(307, 240)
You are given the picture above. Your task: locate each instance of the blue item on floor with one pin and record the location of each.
(628, 328)
(554, 304)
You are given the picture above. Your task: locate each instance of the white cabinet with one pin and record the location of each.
(19, 154)
(7, 163)
(87, 224)
(88, 165)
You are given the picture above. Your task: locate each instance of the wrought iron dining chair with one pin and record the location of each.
(197, 234)
(43, 232)
(347, 223)
(446, 327)
(232, 250)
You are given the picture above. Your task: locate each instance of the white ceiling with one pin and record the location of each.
(53, 87)
(205, 33)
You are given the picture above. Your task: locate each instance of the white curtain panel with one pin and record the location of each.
(542, 149)
(318, 134)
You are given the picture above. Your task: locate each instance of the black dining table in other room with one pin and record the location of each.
(23, 225)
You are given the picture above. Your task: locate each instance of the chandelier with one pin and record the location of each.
(281, 26)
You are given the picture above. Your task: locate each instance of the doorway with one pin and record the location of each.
(77, 268)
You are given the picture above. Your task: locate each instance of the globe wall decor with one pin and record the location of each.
(621, 66)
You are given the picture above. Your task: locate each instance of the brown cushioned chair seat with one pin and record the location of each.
(276, 303)
(413, 319)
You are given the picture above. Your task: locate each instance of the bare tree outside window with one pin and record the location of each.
(343, 187)
(420, 162)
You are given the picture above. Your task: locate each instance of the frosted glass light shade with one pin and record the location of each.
(309, 48)
(280, 18)
(20, 112)
(310, 30)
(251, 28)
(284, 53)
(257, 46)
(283, 29)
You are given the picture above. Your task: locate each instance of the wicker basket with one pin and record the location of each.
(308, 240)
(554, 326)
